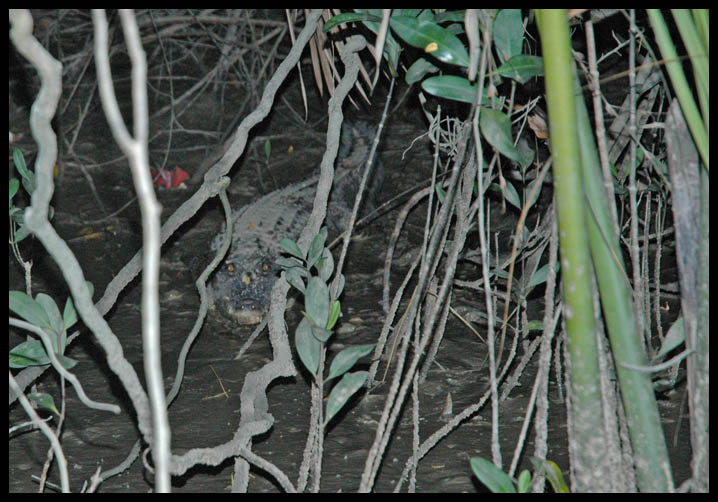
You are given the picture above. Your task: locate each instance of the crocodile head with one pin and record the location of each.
(240, 291)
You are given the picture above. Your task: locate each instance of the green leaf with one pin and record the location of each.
(321, 334)
(19, 161)
(508, 33)
(294, 277)
(316, 248)
(288, 262)
(32, 353)
(511, 195)
(292, 248)
(29, 309)
(28, 353)
(424, 14)
(529, 188)
(521, 68)
(676, 336)
(494, 478)
(66, 362)
(325, 266)
(534, 326)
(53, 313)
(418, 70)
(44, 401)
(453, 88)
(13, 187)
(28, 182)
(69, 315)
(440, 193)
(527, 154)
(553, 474)
(267, 149)
(334, 316)
(345, 359)
(501, 274)
(660, 167)
(348, 17)
(429, 36)
(524, 482)
(317, 302)
(90, 288)
(15, 214)
(496, 128)
(538, 278)
(21, 233)
(342, 391)
(308, 347)
(455, 16)
(340, 289)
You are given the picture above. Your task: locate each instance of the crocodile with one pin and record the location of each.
(239, 292)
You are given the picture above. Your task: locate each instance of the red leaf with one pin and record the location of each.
(179, 175)
(164, 178)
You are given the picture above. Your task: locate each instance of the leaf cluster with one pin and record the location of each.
(309, 273)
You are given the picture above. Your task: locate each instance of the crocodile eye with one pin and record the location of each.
(231, 270)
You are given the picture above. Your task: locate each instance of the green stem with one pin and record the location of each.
(588, 441)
